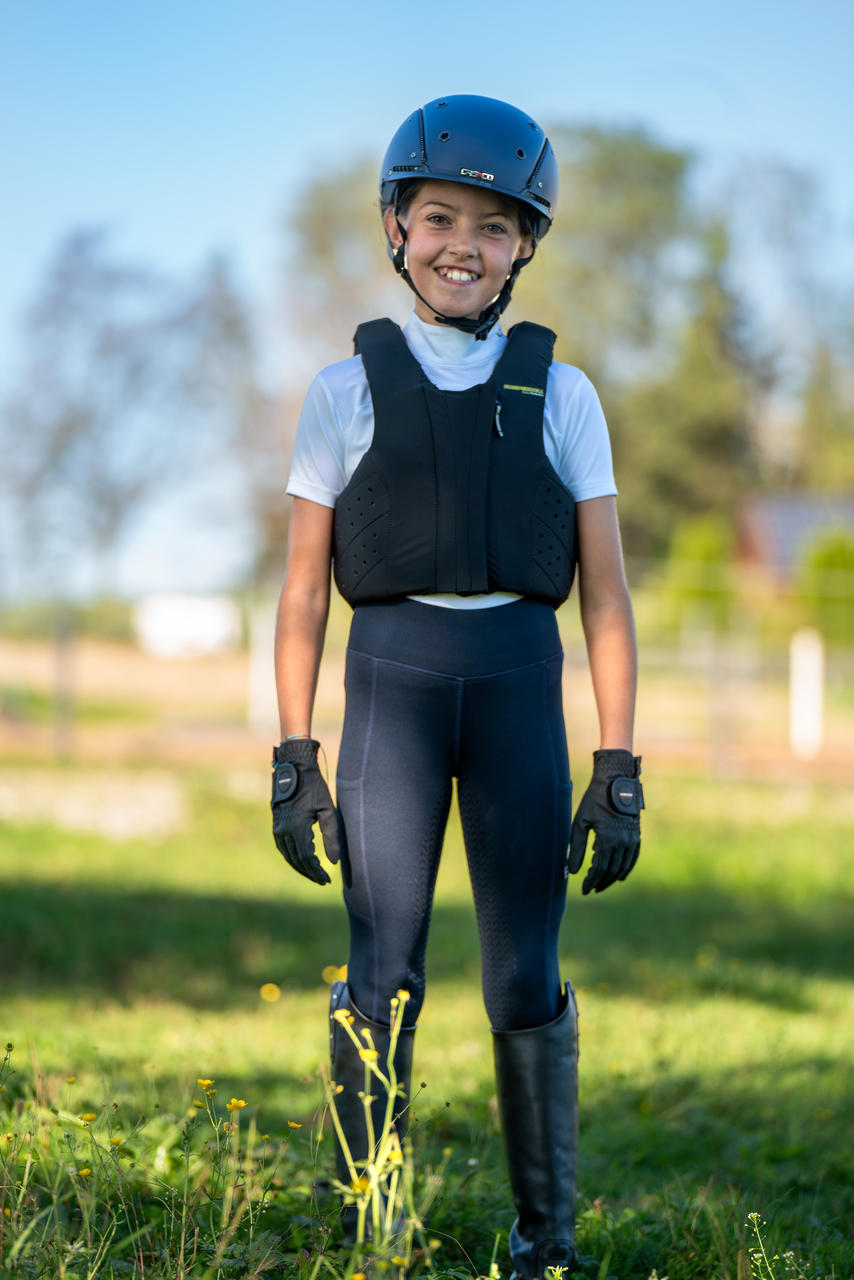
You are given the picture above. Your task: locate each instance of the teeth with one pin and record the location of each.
(454, 273)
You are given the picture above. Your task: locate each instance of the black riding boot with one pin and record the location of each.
(348, 1071)
(536, 1072)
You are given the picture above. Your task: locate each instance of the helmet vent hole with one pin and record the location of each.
(444, 136)
(441, 104)
(520, 153)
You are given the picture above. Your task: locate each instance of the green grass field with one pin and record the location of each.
(716, 992)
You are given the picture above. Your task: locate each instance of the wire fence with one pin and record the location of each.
(742, 673)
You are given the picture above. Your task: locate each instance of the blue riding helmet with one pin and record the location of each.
(481, 142)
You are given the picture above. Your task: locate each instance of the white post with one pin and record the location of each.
(806, 693)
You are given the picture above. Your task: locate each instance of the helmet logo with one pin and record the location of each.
(475, 173)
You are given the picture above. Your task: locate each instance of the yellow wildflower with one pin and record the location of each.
(8, 1137)
(294, 1124)
(197, 1102)
(70, 1079)
(398, 1262)
(204, 1084)
(354, 1275)
(341, 1015)
(361, 1184)
(270, 992)
(7, 1211)
(84, 1173)
(339, 1088)
(394, 1155)
(403, 995)
(9, 1046)
(236, 1104)
(88, 1116)
(116, 1142)
(334, 973)
(368, 1055)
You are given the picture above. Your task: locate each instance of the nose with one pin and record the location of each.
(463, 239)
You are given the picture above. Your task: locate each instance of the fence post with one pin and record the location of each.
(806, 693)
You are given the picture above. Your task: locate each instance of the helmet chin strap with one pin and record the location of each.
(487, 318)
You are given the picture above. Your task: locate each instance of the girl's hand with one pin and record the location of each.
(610, 807)
(300, 799)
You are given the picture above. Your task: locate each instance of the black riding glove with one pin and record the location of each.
(611, 806)
(301, 798)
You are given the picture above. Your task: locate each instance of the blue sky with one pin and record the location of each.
(188, 125)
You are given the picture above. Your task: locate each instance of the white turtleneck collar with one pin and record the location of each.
(452, 360)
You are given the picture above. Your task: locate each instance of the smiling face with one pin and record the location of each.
(461, 243)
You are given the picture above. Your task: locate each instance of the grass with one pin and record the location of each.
(715, 987)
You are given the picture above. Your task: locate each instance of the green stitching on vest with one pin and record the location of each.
(526, 391)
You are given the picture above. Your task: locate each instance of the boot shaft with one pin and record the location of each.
(536, 1073)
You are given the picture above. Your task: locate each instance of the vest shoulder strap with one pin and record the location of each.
(385, 355)
(525, 361)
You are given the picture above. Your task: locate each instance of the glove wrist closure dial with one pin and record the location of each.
(627, 796)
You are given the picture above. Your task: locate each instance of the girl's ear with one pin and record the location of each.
(391, 228)
(526, 247)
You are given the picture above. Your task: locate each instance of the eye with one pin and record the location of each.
(496, 228)
(437, 219)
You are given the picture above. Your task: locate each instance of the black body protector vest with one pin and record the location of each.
(455, 493)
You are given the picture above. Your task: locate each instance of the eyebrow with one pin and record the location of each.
(496, 213)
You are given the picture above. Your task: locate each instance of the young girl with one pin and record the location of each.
(454, 477)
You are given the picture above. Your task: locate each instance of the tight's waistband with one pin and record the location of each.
(456, 642)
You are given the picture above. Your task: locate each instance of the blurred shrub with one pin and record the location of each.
(698, 581)
(824, 581)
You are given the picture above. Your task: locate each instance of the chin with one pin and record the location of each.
(459, 309)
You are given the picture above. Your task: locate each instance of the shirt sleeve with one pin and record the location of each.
(317, 467)
(580, 444)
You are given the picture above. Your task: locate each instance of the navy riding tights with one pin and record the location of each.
(433, 694)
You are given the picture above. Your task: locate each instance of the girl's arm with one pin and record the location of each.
(606, 616)
(302, 614)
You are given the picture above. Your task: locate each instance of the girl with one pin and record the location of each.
(454, 477)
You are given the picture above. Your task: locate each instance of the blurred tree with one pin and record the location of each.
(608, 276)
(698, 575)
(131, 385)
(825, 585)
(824, 458)
(258, 425)
(683, 439)
(781, 260)
(104, 413)
(338, 271)
(126, 382)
